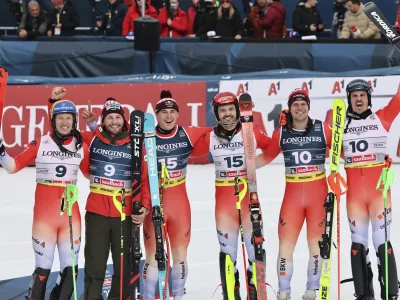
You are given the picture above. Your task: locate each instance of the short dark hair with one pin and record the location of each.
(354, 1)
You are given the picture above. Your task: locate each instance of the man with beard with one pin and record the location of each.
(225, 143)
(173, 21)
(365, 142)
(303, 142)
(110, 171)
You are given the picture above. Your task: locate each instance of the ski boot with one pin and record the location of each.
(310, 295)
(283, 296)
(64, 290)
(37, 286)
(252, 287)
(392, 271)
(229, 280)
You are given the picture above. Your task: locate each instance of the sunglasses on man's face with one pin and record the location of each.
(226, 1)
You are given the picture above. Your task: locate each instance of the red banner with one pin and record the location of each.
(25, 111)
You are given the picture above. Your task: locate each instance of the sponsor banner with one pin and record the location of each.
(270, 97)
(25, 113)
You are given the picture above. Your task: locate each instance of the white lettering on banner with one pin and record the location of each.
(32, 122)
(195, 113)
(383, 89)
(18, 128)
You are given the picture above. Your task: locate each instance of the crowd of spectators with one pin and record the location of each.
(220, 18)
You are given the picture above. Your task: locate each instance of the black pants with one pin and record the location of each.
(101, 233)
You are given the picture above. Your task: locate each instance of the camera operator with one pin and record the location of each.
(205, 19)
(63, 18)
(112, 21)
(34, 23)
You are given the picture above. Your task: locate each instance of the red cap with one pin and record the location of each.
(298, 95)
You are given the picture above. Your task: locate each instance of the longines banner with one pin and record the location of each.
(25, 112)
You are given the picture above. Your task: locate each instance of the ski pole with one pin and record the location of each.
(385, 181)
(71, 196)
(164, 176)
(336, 181)
(120, 206)
(240, 196)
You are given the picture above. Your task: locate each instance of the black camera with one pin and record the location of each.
(17, 8)
(205, 5)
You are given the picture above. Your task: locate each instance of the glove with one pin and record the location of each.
(388, 161)
(283, 117)
(355, 31)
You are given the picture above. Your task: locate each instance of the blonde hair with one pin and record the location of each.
(231, 12)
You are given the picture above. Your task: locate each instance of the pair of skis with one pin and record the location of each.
(332, 201)
(142, 130)
(258, 267)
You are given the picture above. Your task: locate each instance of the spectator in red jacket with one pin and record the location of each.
(192, 14)
(173, 21)
(268, 19)
(134, 12)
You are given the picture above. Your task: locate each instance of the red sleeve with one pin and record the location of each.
(181, 24)
(87, 137)
(23, 159)
(196, 133)
(153, 12)
(261, 138)
(271, 151)
(85, 163)
(389, 112)
(202, 145)
(258, 121)
(163, 17)
(128, 22)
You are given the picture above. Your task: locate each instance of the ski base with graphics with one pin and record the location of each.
(136, 136)
(376, 16)
(258, 267)
(157, 217)
(331, 202)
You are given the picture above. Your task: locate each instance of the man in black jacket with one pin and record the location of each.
(63, 19)
(33, 24)
(112, 21)
(307, 19)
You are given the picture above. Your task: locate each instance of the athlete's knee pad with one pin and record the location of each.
(37, 286)
(392, 271)
(359, 269)
(229, 279)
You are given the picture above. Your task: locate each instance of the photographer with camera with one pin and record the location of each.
(63, 18)
(34, 23)
(111, 22)
(173, 21)
(267, 19)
